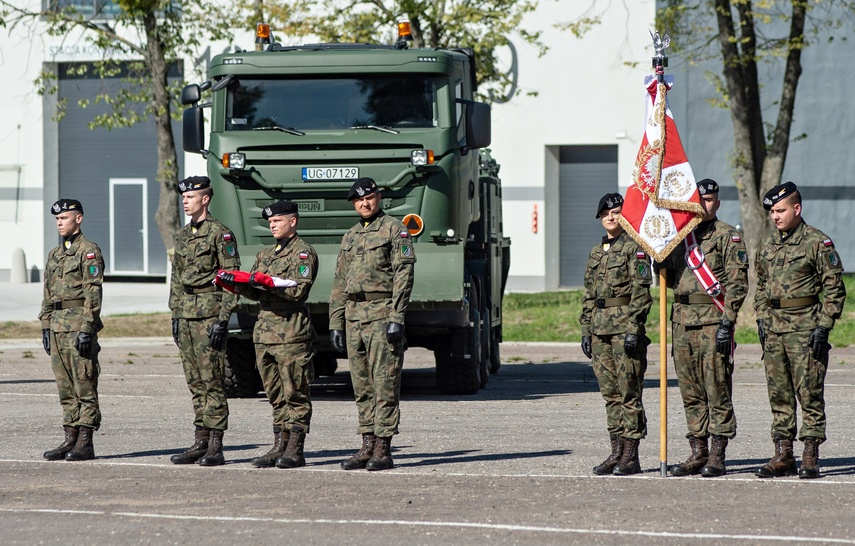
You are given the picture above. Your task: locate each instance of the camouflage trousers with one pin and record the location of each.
(375, 370)
(793, 374)
(621, 378)
(706, 381)
(76, 381)
(287, 373)
(204, 370)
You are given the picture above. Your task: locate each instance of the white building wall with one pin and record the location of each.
(587, 95)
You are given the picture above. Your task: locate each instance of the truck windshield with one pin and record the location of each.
(386, 100)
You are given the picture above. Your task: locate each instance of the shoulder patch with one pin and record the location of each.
(833, 259)
(736, 238)
(227, 236)
(230, 250)
(304, 255)
(742, 256)
(643, 269)
(90, 255)
(828, 242)
(641, 255)
(405, 234)
(405, 251)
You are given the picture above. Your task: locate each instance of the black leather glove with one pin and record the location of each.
(175, 331)
(395, 334)
(253, 283)
(337, 340)
(83, 344)
(630, 344)
(46, 340)
(586, 346)
(819, 342)
(228, 278)
(218, 334)
(761, 333)
(724, 337)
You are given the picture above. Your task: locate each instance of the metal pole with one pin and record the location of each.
(663, 375)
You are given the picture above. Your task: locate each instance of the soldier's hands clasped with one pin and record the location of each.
(761, 333)
(218, 334)
(586, 346)
(818, 342)
(337, 340)
(175, 330)
(83, 344)
(630, 344)
(724, 337)
(46, 340)
(395, 334)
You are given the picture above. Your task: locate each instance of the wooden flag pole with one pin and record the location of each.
(663, 375)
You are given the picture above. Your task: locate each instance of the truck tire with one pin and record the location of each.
(485, 347)
(495, 356)
(242, 379)
(456, 374)
(325, 365)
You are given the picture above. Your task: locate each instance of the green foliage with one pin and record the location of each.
(483, 25)
(554, 316)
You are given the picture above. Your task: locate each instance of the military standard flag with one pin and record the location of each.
(662, 205)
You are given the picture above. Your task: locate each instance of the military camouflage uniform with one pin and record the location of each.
(375, 261)
(804, 264)
(621, 273)
(199, 252)
(283, 334)
(72, 304)
(704, 375)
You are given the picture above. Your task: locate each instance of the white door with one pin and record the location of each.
(128, 226)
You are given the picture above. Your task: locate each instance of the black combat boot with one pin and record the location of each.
(214, 455)
(628, 463)
(612, 460)
(83, 450)
(715, 466)
(782, 462)
(361, 457)
(58, 453)
(381, 459)
(293, 456)
(810, 460)
(697, 459)
(280, 440)
(196, 451)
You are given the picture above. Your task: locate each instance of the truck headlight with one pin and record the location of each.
(234, 161)
(421, 157)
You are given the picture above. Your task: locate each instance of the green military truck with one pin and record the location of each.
(302, 123)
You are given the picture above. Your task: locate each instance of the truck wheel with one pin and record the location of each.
(325, 365)
(495, 358)
(242, 379)
(485, 347)
(455, 374)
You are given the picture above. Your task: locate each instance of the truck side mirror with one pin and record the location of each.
(191, 94)
(193, 129)
(478, 128)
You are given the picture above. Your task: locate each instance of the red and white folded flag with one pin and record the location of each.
(242, 277)
(662, 205)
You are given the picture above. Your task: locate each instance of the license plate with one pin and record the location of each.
(330, 173)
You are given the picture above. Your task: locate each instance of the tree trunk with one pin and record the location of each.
(167, 215)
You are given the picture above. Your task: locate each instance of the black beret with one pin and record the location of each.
(66, 205)
(194, 183)
(707, 185)
(608, 202)
(777, 193)
(362, 187)
(279, 208)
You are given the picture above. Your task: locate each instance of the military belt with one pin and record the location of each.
(793, 302)
(200, 289)
(283, 306)
(67, 304)
(603, 303)
(693, 299)
(369, 296)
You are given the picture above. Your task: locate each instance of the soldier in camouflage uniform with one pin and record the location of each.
(284, 335)
(200, 315)
(371, 290)
(614, 310)
(703, 336)
(800, 294)
(71, 320)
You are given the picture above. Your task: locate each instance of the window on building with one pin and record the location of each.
(106, 9)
